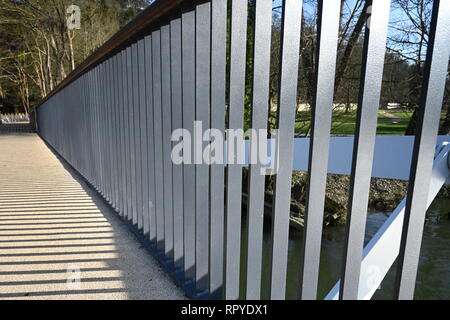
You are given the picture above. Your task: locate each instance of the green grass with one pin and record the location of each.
(343, 128)
(403, 115)
(344, 122)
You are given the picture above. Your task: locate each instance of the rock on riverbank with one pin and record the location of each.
(385, 195)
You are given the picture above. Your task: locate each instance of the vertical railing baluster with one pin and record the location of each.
(364, 145)
(105, 145)
(150, 139)
(188, 84)
(120, 134)
(89, 119)
(105, 115)
(259, 115)
(102, 128)
(109, 133)
(143, 223)
(234, 170)
(157, 129)
(122, 144)
(132, 85)
(166, 142)
(114, 133)
(435, 78)
(137, 136)
(202, 115)
(130, 116)
(83, 147)
(99, 137)
(119, 131)
(126, 71)
(95, 127)
(217, 190)
(287, 101)
(123, 100)
(177, 123)
(327, 31)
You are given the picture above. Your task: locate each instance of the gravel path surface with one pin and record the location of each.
(59, 240)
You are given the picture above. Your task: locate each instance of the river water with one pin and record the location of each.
(433, 279)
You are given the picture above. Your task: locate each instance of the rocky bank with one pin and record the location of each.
(385, 195)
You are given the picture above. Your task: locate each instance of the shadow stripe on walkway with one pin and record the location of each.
(41, 203)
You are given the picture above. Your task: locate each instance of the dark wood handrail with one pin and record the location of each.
(142, 21)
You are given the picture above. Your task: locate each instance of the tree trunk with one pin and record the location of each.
(71, 53)
(411, 129)
(343, 63)
(445, 127)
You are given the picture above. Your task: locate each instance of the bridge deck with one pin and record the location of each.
(52, 225)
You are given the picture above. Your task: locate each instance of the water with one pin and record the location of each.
(433, 278)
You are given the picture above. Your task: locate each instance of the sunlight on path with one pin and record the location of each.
(55, 230)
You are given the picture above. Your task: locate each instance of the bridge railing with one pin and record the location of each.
(181, 62)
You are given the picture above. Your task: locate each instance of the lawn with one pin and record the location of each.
(344, 123)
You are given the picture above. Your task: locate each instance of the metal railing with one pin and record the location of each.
(112, 120)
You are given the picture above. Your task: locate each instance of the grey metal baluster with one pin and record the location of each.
(102, 129)
(177, 123)
(259, 115)
(124, 100)
(97, 86)
(287, 100)
(369, 101)
(137, 136)
(328, 27)
(157, 130)
(202, 114)
(135, 132)
(144, 222)
(109, 136)
(116, 128)
(218, 75)
(166, 142)
(131, 170)
(435, 79)
(117, 72)
(120, 151)
(89, 128)
(94, 125)
(234, 171)
(130, 143)
(119, 107)
(101, 84)
(105, 114)
(125, 81)
(150, 138)
(188, 82)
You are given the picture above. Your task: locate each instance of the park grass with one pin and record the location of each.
(344, 123)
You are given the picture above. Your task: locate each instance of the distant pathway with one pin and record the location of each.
(390, 116)
(55, 230)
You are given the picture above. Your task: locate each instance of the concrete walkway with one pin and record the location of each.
(58, 240)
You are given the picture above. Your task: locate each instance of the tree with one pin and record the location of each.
(38, 49)
(410, 42)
